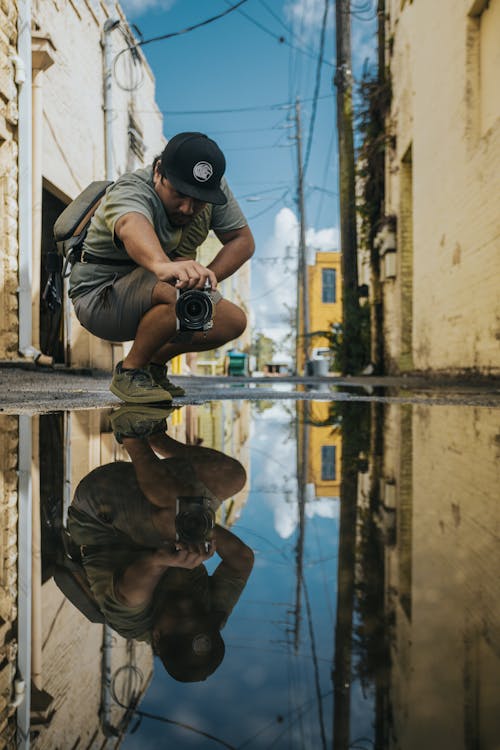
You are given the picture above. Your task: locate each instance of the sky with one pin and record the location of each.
(238, 79)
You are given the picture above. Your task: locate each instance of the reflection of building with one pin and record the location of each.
(439, 251)
(325, 301)
(58, 658)
(324, 451)
(225, 426)
(8, 576)
(319, 459)
(442, 590)
(54, 140)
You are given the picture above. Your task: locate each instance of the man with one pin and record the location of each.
(141, 248)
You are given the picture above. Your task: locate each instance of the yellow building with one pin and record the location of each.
(441, 266)
(324, 280)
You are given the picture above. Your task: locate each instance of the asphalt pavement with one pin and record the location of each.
(35, 389)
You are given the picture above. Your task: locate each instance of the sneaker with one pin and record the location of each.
(137, 386)
(159, 373)
(139, 421)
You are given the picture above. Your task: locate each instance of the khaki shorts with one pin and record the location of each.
(113, 310)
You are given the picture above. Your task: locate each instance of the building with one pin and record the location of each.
(324, 281)
(440, 247)
(62, 125)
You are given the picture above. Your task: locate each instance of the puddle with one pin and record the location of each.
(352, 600)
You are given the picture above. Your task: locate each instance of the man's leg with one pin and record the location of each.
(155, 340)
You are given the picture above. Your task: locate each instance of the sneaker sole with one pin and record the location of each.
(147, 398)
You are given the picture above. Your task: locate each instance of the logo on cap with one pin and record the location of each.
(202, 171)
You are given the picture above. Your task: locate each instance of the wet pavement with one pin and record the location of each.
(288, 564)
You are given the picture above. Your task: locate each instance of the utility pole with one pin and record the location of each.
(347, 195)
(302, 316)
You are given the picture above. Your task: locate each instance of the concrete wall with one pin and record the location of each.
(443, 179)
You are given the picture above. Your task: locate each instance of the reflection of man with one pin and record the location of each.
(148, 584)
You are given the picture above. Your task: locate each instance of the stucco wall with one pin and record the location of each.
(446, 109)
(73, 121)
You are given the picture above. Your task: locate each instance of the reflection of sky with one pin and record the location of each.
(263, 688)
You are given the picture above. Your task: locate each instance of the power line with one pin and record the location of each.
(280, 38)
(231, 110)
(317, 85)
(161, 37)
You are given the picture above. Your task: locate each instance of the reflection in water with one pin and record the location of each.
(144, 530)
(371, 616)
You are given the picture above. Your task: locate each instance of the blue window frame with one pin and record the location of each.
(329, 285)
(328, 462)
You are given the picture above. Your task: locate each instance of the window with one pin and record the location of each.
(329, 285)
(328, 462)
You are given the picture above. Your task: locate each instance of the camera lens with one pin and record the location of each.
(194, 309)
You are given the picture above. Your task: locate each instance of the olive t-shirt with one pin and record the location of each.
(134, 192)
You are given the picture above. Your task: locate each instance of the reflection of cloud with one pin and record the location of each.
(275, 465)
(138, 7)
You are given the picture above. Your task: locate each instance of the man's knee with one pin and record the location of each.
(234, 318)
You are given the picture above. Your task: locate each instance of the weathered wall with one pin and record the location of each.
(442, 587)
(8, 573)
(442, 310)
(74, 148)
(8, 182)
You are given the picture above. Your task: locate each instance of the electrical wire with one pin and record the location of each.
(269, 208)
(207, 21)
(280, 38)
(317, 85)
(231, 110)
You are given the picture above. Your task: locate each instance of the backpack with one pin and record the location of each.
(70, 578)
(70, 230)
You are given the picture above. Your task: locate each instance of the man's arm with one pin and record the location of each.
(136, 585)
(143, 246)
(237, 247)
(237, 558)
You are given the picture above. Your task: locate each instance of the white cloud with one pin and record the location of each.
(274, 272)
(305, 14)
(138, 7)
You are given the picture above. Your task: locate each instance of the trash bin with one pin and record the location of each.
(320, 367)
(238, 363)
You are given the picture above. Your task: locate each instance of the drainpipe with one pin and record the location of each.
(25, 201)
(25, 490)
(109, 25)
(41, 59)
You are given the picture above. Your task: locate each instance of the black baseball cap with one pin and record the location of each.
(194, 164)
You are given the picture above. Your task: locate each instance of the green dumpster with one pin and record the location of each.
(238, 363)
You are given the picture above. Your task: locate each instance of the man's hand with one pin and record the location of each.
(143, 246)
(185, 274)
(181, 555)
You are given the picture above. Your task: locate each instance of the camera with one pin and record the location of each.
(195, 309)
(194, 520)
